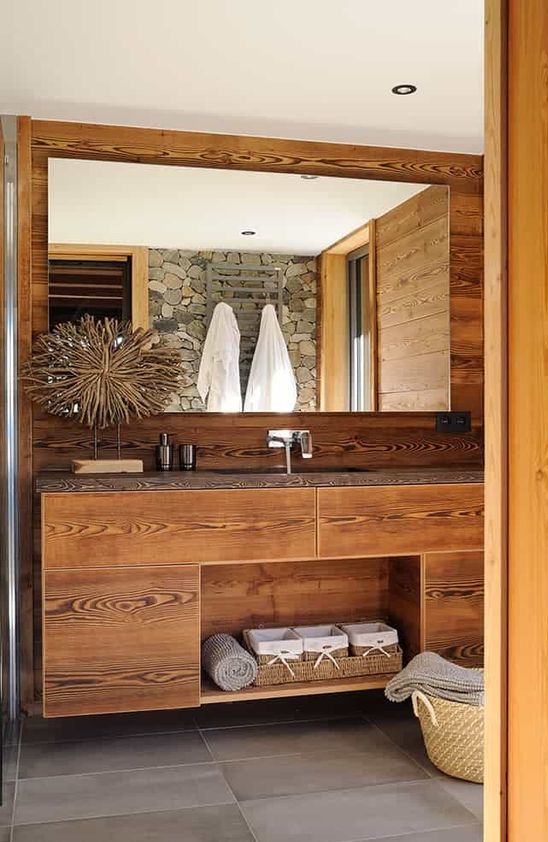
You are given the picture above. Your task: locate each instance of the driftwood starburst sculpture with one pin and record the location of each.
(100, 372)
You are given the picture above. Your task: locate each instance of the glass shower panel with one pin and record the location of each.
(8, 432)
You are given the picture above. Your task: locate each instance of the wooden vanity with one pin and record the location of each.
(138, 570)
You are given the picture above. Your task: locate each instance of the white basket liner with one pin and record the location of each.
(322, 638)
(370, 634)
(276, 642)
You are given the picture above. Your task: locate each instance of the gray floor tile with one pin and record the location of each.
(469, 794)
(35, 729)
(101, 755)
(10, 759)
(378, 762)
(362, 814)
(405, 731)
(280, 710)
(119, 793)
(375, 704)
(5, 834)
(12, 733)
(6, 809)
(199, 824)
(290, 738)
(471, 833)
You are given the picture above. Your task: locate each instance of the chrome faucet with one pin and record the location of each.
(286, 439)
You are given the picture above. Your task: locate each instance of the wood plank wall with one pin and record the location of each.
(496, 421)
(239, 441)
(346, 440)
(413, 303)
(527, 419)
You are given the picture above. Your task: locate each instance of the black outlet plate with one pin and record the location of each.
(453, 422)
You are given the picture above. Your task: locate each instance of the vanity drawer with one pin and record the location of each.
(399, 520)
(171, 527)
(123, 639)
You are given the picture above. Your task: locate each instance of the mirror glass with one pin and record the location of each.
(356, 273)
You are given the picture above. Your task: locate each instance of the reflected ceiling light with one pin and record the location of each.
(309, 177)
(404, 90)
(248, 233)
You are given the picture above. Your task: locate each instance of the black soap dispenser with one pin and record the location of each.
(164, 453)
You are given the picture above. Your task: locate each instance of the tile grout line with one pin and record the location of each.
(238, 805)
(391, 784)
(269, 723)
(110, 737)
(119, 771)
(16, 782)
(438, 779)
(431, 775)
(121, 815)
(405, 835)
(191, 729)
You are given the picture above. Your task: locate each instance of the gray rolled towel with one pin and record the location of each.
(229, 665)
(433, 675)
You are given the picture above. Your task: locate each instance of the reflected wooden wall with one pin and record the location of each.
(413, 303)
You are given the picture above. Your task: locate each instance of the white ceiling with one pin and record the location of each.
(317, 69)
(191, 208)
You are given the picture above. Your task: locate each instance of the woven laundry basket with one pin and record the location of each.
(453, 735)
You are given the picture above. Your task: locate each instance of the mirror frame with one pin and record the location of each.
(461, 172)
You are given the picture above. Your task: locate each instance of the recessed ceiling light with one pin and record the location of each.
(404, 90)
(248, 233)
(309, 177)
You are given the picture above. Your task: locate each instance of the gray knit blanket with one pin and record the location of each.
(229, 665)
(433, 675)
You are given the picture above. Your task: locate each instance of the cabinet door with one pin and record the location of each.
(141, 527)
(399, 520)
(453, 607)
(120, 640)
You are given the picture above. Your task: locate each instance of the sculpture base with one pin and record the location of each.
(107, 466)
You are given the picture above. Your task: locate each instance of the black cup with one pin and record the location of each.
(187, 457)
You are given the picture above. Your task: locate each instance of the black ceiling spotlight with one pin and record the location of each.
(404, 90)
(248, 233)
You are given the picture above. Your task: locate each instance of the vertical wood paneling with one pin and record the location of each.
(333, 334)
(496, 428)
(406, 603)
(413, 290)
(528, 420)
(453, 606)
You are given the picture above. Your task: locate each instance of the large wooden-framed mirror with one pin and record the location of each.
(460, 174)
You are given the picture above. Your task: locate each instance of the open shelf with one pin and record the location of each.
(210, 694)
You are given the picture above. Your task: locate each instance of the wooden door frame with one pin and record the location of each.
(496, 424)
(333, 361)
(138, 255)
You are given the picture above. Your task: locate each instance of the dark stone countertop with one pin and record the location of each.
(180, 480)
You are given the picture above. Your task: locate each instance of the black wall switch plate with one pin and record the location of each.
(453, 422)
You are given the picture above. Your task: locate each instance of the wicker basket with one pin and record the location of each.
(371, 636)
(320, 642)
(453, 735)
(375, 664)
(277, 644)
